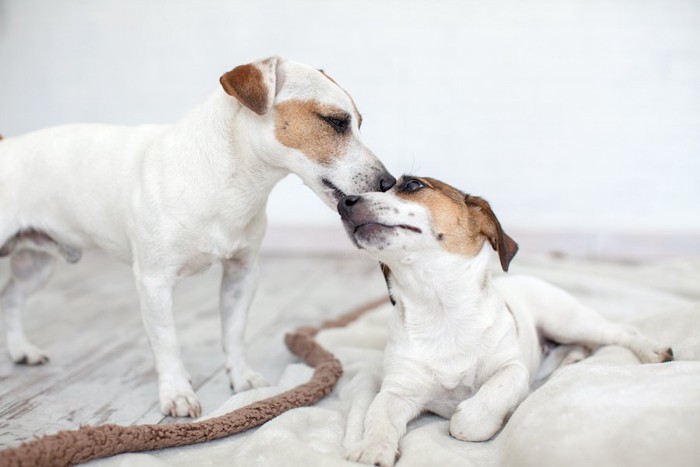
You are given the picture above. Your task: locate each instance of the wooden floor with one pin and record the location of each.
(101, 369)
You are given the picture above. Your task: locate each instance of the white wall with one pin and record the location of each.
(567, 115)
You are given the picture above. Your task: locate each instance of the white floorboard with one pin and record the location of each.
(101, 369)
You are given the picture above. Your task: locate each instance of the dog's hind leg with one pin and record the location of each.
(29, 271)
(570, 322)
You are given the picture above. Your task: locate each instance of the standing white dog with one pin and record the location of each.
(172, 200)
(461, 345)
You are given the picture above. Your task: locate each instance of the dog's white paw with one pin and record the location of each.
(246, 379)
(179, 401)
(371, 452)
(576, 355)
(474, 425)
(26, 353)
(653, 354)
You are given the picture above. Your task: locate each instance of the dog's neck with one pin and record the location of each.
(217, 143)
(446, 285)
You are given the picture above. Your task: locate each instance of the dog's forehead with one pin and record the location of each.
(304, 83)
(435, 195)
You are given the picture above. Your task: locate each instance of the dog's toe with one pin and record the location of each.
(657, 355)
(180, 402)
(29, 355)
(374, 453)
(240, 381)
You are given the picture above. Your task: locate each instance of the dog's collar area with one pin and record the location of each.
(337, 192)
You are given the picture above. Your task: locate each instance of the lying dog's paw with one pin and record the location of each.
(656, 355)
(576, 355)
(27, 354)
(474, 425)
(382, 454)
(244, 380)
(649, 352)
(179, 402)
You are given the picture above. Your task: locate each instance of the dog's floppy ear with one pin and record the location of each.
(253, 84)
(492, 230)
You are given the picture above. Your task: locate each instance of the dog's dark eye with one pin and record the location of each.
(413, 185)
(339, 124)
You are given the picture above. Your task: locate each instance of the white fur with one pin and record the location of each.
(462, 345)
(171, 200)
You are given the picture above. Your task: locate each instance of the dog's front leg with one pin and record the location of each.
(174, 386)
(481, 416)
(385, 424)
(238, 285)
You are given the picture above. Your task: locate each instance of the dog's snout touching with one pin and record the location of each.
(386, 182)
(346, 204)
(351, 200)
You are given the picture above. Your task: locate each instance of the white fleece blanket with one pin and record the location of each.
(605, 411)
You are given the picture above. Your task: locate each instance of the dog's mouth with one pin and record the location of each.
(386, 226)
(337, 192)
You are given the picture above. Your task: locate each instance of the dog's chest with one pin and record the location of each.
(447, 365)
(219, 241)
(454, 357)
(454, 370)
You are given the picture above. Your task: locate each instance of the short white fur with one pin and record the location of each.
(170, 200)
(462, 345)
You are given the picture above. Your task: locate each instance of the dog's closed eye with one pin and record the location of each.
(339, 123)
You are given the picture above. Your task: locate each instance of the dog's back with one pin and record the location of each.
(81, 166)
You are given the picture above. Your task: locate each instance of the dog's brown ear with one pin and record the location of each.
(491, 228)
(253, 84)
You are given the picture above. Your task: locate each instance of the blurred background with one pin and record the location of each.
(579, 120)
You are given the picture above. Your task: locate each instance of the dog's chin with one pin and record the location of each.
(375, 237)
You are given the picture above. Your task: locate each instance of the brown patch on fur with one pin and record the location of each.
(247, 84)
(298, 125)
(462, 222)
(451, 221)
(354, 106)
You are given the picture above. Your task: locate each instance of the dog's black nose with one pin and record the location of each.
(351, 200)
(386, 182)
(346, 203)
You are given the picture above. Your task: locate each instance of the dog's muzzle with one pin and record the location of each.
(347, 204)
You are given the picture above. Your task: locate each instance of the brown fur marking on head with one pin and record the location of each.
(451, 223)
(247, 84)
(460, 222)
(298, 125)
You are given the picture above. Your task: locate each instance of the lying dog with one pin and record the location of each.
(172, 200)
(461, 345)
